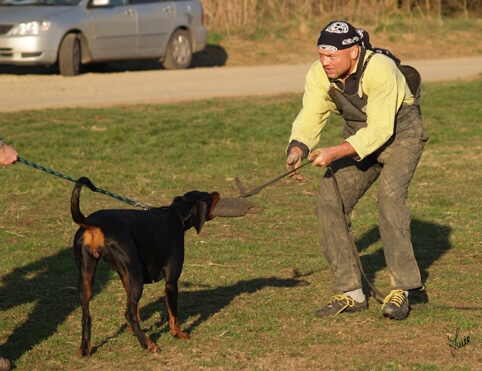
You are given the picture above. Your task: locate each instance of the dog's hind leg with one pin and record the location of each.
(87, 265)
(134, 290)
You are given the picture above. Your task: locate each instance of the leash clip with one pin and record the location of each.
(145, 207)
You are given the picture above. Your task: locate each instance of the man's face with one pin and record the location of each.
(339, 63)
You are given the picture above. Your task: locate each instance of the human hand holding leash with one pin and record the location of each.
(8, 155)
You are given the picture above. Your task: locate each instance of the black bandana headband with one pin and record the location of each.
(339, 35)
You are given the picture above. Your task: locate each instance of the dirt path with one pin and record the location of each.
(25, 92)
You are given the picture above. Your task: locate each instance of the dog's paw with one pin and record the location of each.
(153, 347)
(181, 335)
(84, 352)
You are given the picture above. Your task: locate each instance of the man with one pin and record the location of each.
(384, 139)
(8, 156)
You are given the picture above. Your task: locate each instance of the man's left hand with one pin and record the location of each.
(322, 157)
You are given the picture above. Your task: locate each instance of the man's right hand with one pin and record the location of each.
(293, 161)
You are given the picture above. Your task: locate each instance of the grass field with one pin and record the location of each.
(250, 285)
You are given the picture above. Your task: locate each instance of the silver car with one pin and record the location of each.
(72, 33)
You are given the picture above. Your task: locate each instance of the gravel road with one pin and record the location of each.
(27, 92)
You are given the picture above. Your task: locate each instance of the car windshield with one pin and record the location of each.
(37, 2)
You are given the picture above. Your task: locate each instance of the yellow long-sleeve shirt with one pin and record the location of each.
(386, 89)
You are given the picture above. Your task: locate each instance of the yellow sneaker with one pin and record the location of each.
(341, 304)
(395, 305)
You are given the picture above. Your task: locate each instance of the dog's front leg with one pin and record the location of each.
(171, 292)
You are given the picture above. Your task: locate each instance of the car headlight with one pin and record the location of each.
(30, 28)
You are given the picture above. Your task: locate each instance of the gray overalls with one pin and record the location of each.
(394, 165)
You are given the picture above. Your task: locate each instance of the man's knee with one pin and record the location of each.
(326, 207)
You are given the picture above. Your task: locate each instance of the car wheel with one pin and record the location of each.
(69, 55)
(179, 51)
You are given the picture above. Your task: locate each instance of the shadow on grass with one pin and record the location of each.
(203, 304)
(211, 56)
(49, 285)
(430, 241)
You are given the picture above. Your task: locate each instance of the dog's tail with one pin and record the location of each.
(77, 215)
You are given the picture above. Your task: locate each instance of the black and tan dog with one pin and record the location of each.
(143, 246)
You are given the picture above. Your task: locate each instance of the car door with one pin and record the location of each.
(155, 24)
(114, 31)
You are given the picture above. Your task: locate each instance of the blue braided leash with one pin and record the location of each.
(100, 190)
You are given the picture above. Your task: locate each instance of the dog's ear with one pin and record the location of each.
(204, 211)
(199, 217)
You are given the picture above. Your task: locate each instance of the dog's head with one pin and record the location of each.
(196, 208)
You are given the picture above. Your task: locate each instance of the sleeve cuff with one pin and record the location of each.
(304, 148)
